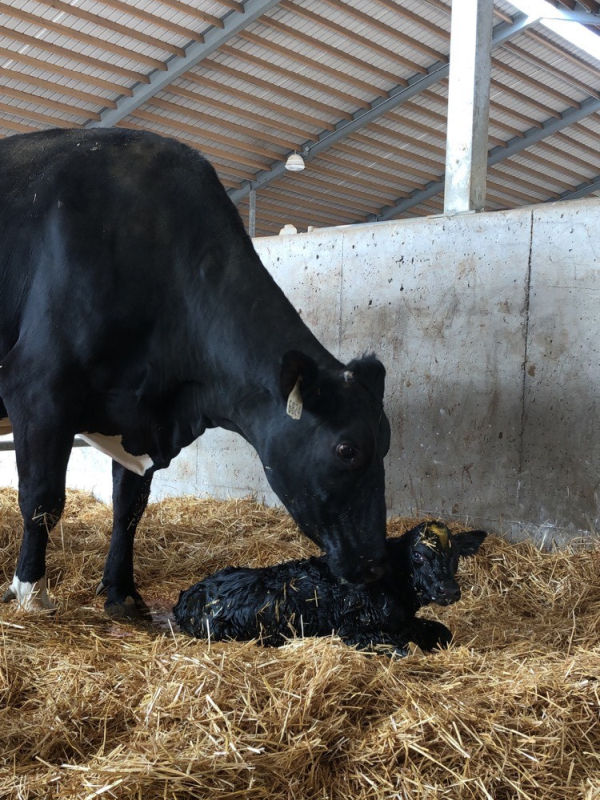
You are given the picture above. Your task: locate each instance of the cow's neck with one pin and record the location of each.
(223, 362)
(255, 327)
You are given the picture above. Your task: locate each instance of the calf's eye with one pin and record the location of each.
(346, 452)
(418, 558)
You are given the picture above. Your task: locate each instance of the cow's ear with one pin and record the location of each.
(294, 366)
(370, 372)
(469, 542)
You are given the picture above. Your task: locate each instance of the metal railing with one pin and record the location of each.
(10, 445)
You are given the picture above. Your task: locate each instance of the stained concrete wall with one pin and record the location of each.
(488, 326)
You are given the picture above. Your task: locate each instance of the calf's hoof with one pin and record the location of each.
(132, 607)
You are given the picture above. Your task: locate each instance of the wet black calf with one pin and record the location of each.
(304, 597)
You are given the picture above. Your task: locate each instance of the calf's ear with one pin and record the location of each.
(469, 542)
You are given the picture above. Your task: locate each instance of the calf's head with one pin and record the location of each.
(323, 456)
(432, 552)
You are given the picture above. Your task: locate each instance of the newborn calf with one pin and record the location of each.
(304, 598)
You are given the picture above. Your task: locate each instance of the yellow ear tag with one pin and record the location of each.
(442, 534)
(435, 535)
(294, 403)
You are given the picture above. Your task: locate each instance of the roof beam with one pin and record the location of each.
(233, 22)
(563, 24)
(584, 17)
(583, 190)
(380, 106)
(516, 145)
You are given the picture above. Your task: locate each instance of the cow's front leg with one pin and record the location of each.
(42, 457)
(130, 498)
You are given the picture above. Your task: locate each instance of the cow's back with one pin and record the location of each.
(108, 238)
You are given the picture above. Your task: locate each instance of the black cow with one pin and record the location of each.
(133, 305)
(305, 598)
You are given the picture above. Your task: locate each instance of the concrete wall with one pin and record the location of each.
(489, 330)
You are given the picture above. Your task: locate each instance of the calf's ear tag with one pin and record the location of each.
(294, 403)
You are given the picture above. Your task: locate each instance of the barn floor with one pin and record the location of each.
(94, 708)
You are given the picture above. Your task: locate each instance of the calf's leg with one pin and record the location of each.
(42, 453)
(429, 634)
(130, 498)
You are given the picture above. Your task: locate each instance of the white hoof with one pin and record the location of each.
(31, 596)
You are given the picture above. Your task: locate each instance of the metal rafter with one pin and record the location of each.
(233, 22)
(380, 106)
(584, 17)
(516, 145)
(583, 190)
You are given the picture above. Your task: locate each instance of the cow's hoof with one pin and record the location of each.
(101, 588)
(36, 604)
(9, 595)
(29, 596)
(129, 608)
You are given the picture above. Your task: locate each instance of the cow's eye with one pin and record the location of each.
(418, 558)
(346, 452)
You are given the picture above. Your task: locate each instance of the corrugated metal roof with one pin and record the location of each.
(303, 69)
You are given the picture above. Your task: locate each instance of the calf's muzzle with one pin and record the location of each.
(447, 592)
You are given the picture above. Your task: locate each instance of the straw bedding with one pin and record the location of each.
(94, 708)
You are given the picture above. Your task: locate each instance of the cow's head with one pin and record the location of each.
(433, 552)
(323, 456)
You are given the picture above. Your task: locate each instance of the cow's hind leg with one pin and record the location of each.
(42, 457)
(130, 498)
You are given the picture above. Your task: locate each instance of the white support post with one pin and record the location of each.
(468, 105)
(252, 214)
